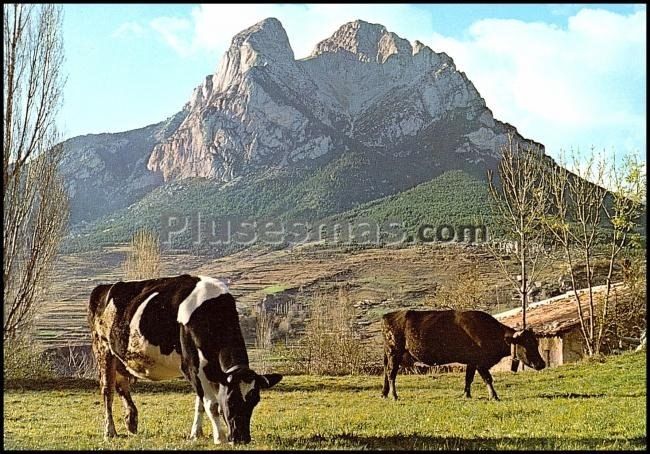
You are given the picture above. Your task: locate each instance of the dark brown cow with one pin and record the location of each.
(473, 338)
(170, 327)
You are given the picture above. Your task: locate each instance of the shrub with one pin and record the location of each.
(143, 259)
(331, 343)
(24, 360)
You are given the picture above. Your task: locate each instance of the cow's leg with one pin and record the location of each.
(106, 368)
(190, 369)
(197, 425)
(212, 409)
(384, 391)
(469, 378)
(130, 410)
(394, 359)
(487, 378)
(206, 393)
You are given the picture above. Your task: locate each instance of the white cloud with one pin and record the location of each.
(570, 87)
(128, 30)
(171, 30)
(214, 25)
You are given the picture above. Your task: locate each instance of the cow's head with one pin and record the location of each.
(526, 348)
(239, 393)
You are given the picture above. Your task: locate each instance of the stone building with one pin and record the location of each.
(556, 324)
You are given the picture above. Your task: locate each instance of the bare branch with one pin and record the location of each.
(519, 206)
(35, 201)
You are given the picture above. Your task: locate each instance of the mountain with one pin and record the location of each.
(367, 114)
(452, 199)
(362, 88)
(105, 172)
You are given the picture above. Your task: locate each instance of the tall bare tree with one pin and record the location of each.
(577, 201)
(519, 209)
(35, 201)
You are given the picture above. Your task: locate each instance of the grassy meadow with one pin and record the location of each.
(593, 405)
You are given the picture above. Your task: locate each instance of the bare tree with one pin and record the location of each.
(625, 320)
(465, 292)
(623, 214)
(332, 343)
(264, 328)
(581, 210)
(577, 202)
(519, 209)
(35, 201)
(143, 258)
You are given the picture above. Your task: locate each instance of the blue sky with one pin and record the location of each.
(568, 76)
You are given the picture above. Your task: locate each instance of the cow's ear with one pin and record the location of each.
(268, 380)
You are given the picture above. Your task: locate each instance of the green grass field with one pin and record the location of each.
(586, 406)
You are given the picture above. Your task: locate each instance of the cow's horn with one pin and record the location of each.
(234, 368)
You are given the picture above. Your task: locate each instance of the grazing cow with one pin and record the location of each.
(170, 327)
(473, 338)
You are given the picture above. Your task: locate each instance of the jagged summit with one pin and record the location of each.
(268, 37)
(368, 42)
(261, 44)
(363, 85)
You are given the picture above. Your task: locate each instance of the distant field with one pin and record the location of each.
(587, 406)
(383, 279)
(390, 278)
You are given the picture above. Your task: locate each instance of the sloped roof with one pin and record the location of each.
(559, 314)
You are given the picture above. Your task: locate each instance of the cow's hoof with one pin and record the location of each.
(466, 396)
(196, 435)
(110, 434)
(495, 398)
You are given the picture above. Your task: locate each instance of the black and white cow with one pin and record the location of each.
(170, 327)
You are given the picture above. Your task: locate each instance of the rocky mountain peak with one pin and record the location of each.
(386, 113)
(259, 45)
(419, 47)
(363, 88)
(368, 42)
(266, 38)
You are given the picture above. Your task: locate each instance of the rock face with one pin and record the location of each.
(364, 87)
(105, 172)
